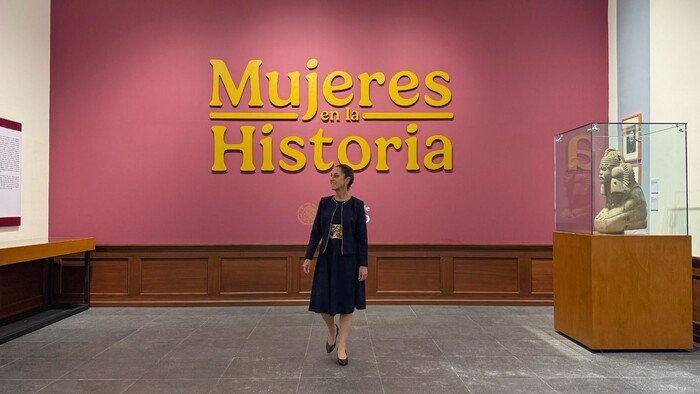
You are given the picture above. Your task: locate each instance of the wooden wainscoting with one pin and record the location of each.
(271, 275)
(22, 287)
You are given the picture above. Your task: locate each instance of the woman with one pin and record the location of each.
(339, 279)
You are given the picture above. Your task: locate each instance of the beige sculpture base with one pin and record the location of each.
(624, 292)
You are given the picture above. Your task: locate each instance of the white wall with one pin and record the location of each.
(675, 85)
(25, 31)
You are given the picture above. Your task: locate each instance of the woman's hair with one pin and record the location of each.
(348, 172)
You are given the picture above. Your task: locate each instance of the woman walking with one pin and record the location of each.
(339, 278)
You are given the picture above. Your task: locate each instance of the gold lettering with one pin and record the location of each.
(266, 144)
(318, 141)
(365, 82)
(443, 91)
(288, 151)
(329, 89)
(221, 147)
(364, 148)
(273, 90)
(337, 90)
(333, 116)
(312, 92)
(445, 152)
(412, 163)
(220, 73)
(382, 147)
(395, 89)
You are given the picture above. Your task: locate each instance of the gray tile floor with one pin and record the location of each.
(392, 349)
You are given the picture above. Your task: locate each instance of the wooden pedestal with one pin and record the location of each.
(624, 291)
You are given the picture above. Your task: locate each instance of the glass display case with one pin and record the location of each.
(621, 178)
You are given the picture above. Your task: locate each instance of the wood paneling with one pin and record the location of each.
(572, 298)
(22, 287)
(110, 276)
(542, 276)
(173, 276)
(262, 275)
(485, 275)
(649, 299)
(271, 274)
(306, 280)
(71, 277)
(696, 299)
(632, 292)
(408, 275)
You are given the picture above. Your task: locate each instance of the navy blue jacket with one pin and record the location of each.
(354, 228)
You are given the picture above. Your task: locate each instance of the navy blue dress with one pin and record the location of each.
(335, 287)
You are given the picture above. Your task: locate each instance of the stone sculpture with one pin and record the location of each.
(626, 208)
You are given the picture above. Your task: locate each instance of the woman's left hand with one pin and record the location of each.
(362, 274)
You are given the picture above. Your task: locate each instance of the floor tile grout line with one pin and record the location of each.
(547, 384)
(129, 386)
(145, 371)
(41, 389)
(162, 357)
(218, 381)
(374, 353)
(257, 324)
(306, 352)
(535, 373)
(444, 356)
(10, 363)
(130, 334)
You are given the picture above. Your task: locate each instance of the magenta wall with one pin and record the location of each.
(131, 144)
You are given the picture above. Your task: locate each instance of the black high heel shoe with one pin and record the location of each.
(343, 362)
(330, 348)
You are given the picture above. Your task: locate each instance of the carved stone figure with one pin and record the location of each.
(626, 208)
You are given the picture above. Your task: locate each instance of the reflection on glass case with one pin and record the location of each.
(621, 178)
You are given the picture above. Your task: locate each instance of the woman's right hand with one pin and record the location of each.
(306, 266)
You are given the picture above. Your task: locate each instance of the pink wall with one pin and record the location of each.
(131, 144)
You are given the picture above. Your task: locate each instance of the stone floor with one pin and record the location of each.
(392, 349)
